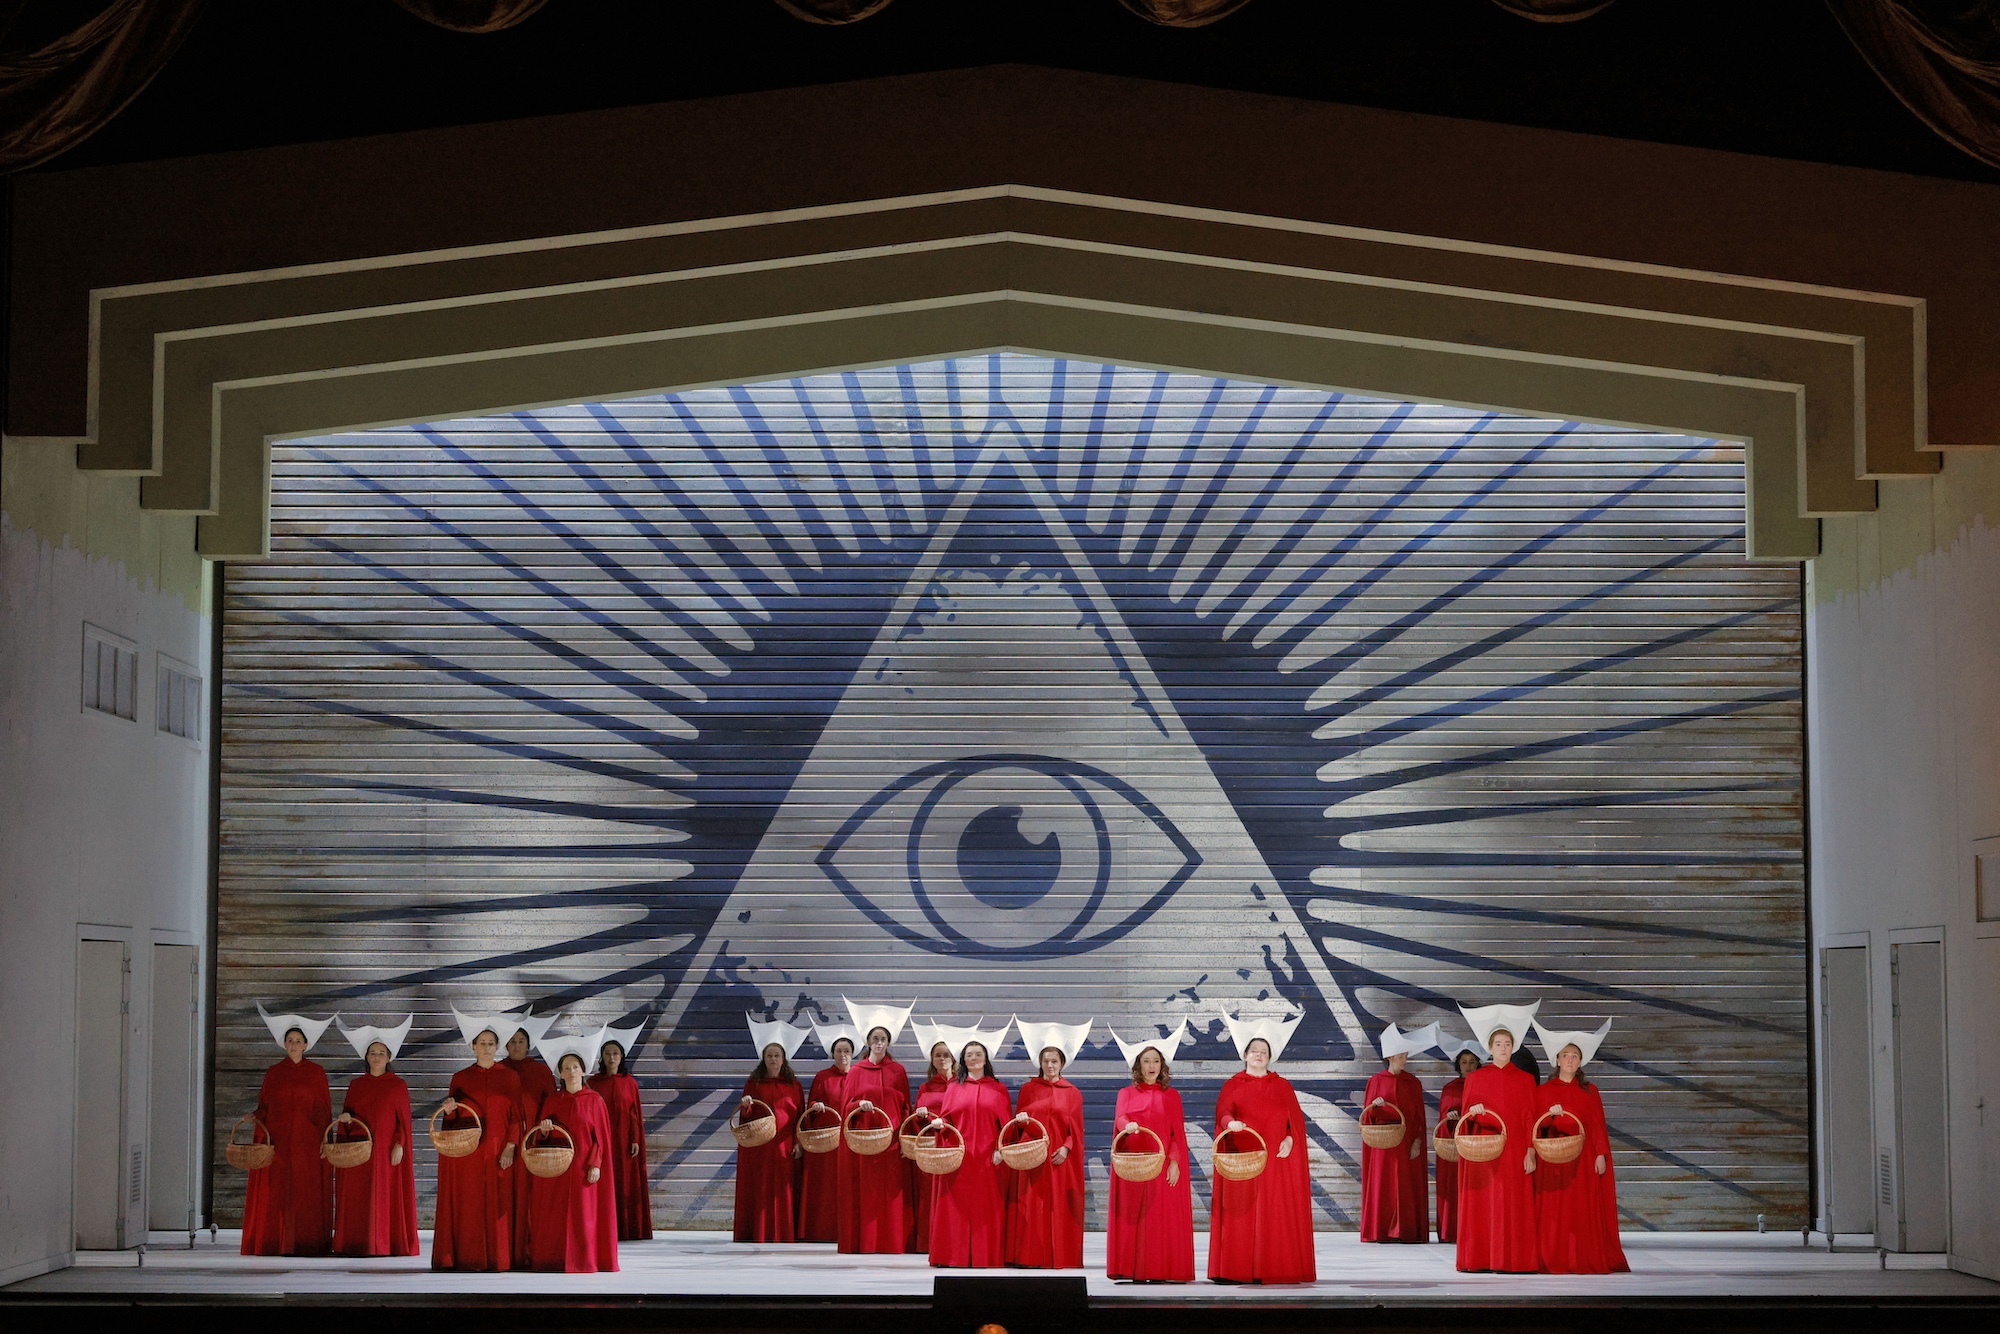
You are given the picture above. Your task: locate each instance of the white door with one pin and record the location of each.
(1847, 1111)
(1922, 1202)
(103, 969)
(170, 1202)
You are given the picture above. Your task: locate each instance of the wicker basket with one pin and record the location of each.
(1240, 1165)
(819, 1139)
(460, 1141)
(1480, 1146)
(1130, 1166)
(1557, 1148)
(1382, 1134)
(907, 1139)
(869, 1140)
(251, 1157)
(1025, 1155)
(347, 1152)
(547, 1160)
(937, 1159)
(758, 1130)
(1446, 1146)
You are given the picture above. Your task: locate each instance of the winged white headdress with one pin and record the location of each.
(1554, 1040)
(367, 1035)
(828, 1034)
(1395, 1042)
(526, 1022)
(470, 1026)
(926, 1036)
(1516, 1019)
(583, 1046)
(1451, 1048)
(868, 1018)
(990, 1038)
(1065, 1038)
(626, 1038)
(1166, 1046)
(1277, 1032)
(787, 1036)
(281, 1024)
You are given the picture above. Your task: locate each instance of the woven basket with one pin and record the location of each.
(907, 1139)
(1024, 1155)
(457, 1142)
(819, 1139)
(1138, 1166)
(1557, 1148)
(756, 1131)
(937, 1159)
(1446, 1146)
(1240, 1165)
(251, 1157)
(348, 1152)
(869, 1140)
(1480, 1146)
(1382, 1134)
(547, 1160)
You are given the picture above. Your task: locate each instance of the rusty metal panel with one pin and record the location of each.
(1040, 688)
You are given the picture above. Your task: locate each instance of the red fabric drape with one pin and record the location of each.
(55, 97)
(1496, 1200)
(875, 1213)
(819, 1173)
(1451, 1102)
(767, 1176)
(375, 1204)
(1045, 1204)
(576, 1219)
(1149, 1233)
(629, 1174)
(473, 15)
(1260, 1231)
(1395, 1198)
(288, 1206)
(475, 1196)
(969, 1206)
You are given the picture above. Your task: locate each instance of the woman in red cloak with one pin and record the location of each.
(288, 1206)
(375, 1204)
(819, 1175)
(537, 1083)
(475, 1194)
(1496, 1200)
(766, 1202)
(1451, 1103)
(1260, 1231)
(1395, 1194)
(576, 1215)
(630, 1186)
(875, 1213)
(969, 1206)
(1576, 1203)
(1045, 1203)
(929, 1098)
(1149, 1237)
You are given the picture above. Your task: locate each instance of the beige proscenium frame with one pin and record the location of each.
(191, 381)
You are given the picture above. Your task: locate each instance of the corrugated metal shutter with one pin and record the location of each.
(1025, 687)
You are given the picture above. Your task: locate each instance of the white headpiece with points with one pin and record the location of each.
(1065, 1038)
(367, 1035)
(1516, 1019)
(787, 1036)
(828, 1034)
(626, 1038)
(583, 1046)
(868, 1018)
(281, 1024)
(1554, 1040)
(990, 1038)
(1451, 1048)
(1395, 1042)
(1277, 1032)
(470, 1026)
(1166, 1046)
(526, 1022)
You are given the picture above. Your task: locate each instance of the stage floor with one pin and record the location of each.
(697, 1265)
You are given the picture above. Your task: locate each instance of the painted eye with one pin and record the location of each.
(1017, 855)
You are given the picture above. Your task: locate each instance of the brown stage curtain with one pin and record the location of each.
(1941, 58)
(1183, 13)
(55, 97)
(1553, 11)
(473, 15)
(833, 11)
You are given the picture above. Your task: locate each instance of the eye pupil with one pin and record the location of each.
(1000, 866)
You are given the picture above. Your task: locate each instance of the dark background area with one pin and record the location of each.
(1773, 77)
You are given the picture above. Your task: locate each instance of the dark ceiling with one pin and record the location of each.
(1774, 77)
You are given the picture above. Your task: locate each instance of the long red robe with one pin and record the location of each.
(1150, 1232)
(1451, 1101)
(1395, 1193)
(1576, 1209)
(537, 1083)
(576, 1220)
(288, 1206)
(1496, 1200)
(375, 1204)
(924, 1186)
(875, 1213)
(1045, 1204)
(629, 1175)
(766, 1176)
(969, 1206)
(475, 1198)
(1260, 1231)
(819, 1176)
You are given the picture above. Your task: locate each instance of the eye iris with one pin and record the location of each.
(1000, 866)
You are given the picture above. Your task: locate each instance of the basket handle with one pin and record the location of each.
(536, 1129)
(1247, 1130)
(938, 1123)
(1536, 1129)
(1480, 1109)
(1401, 1120)
(1042, 1131)
(251, 1117)
(924, 1112)
(463, 1106)
(847, 1122)
(1159, 1145)
(818, 1107)
(737, 1118)
(333, 1125)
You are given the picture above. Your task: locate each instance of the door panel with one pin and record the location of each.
(170, 1132)
(101, 999)
(1922, 1200)
(1848, 1117)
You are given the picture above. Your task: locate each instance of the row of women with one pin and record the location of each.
(981, 1213)
(493, 1212)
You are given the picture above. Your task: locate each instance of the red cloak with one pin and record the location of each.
(1260, 1231)
(375, 1204)
(537, 1083)
(1496, 1200)
(1576, 1206)
(1395, 1194)
(1045, 1204)
(629, 1184)
(575, 1229)
(475, 1198)
(1150, 1232)
(766, 1176)
(875, 1214)
(1451, 1101)
(969, 1206)
(931, 1097)
(288, 1206)
(819, 1174)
